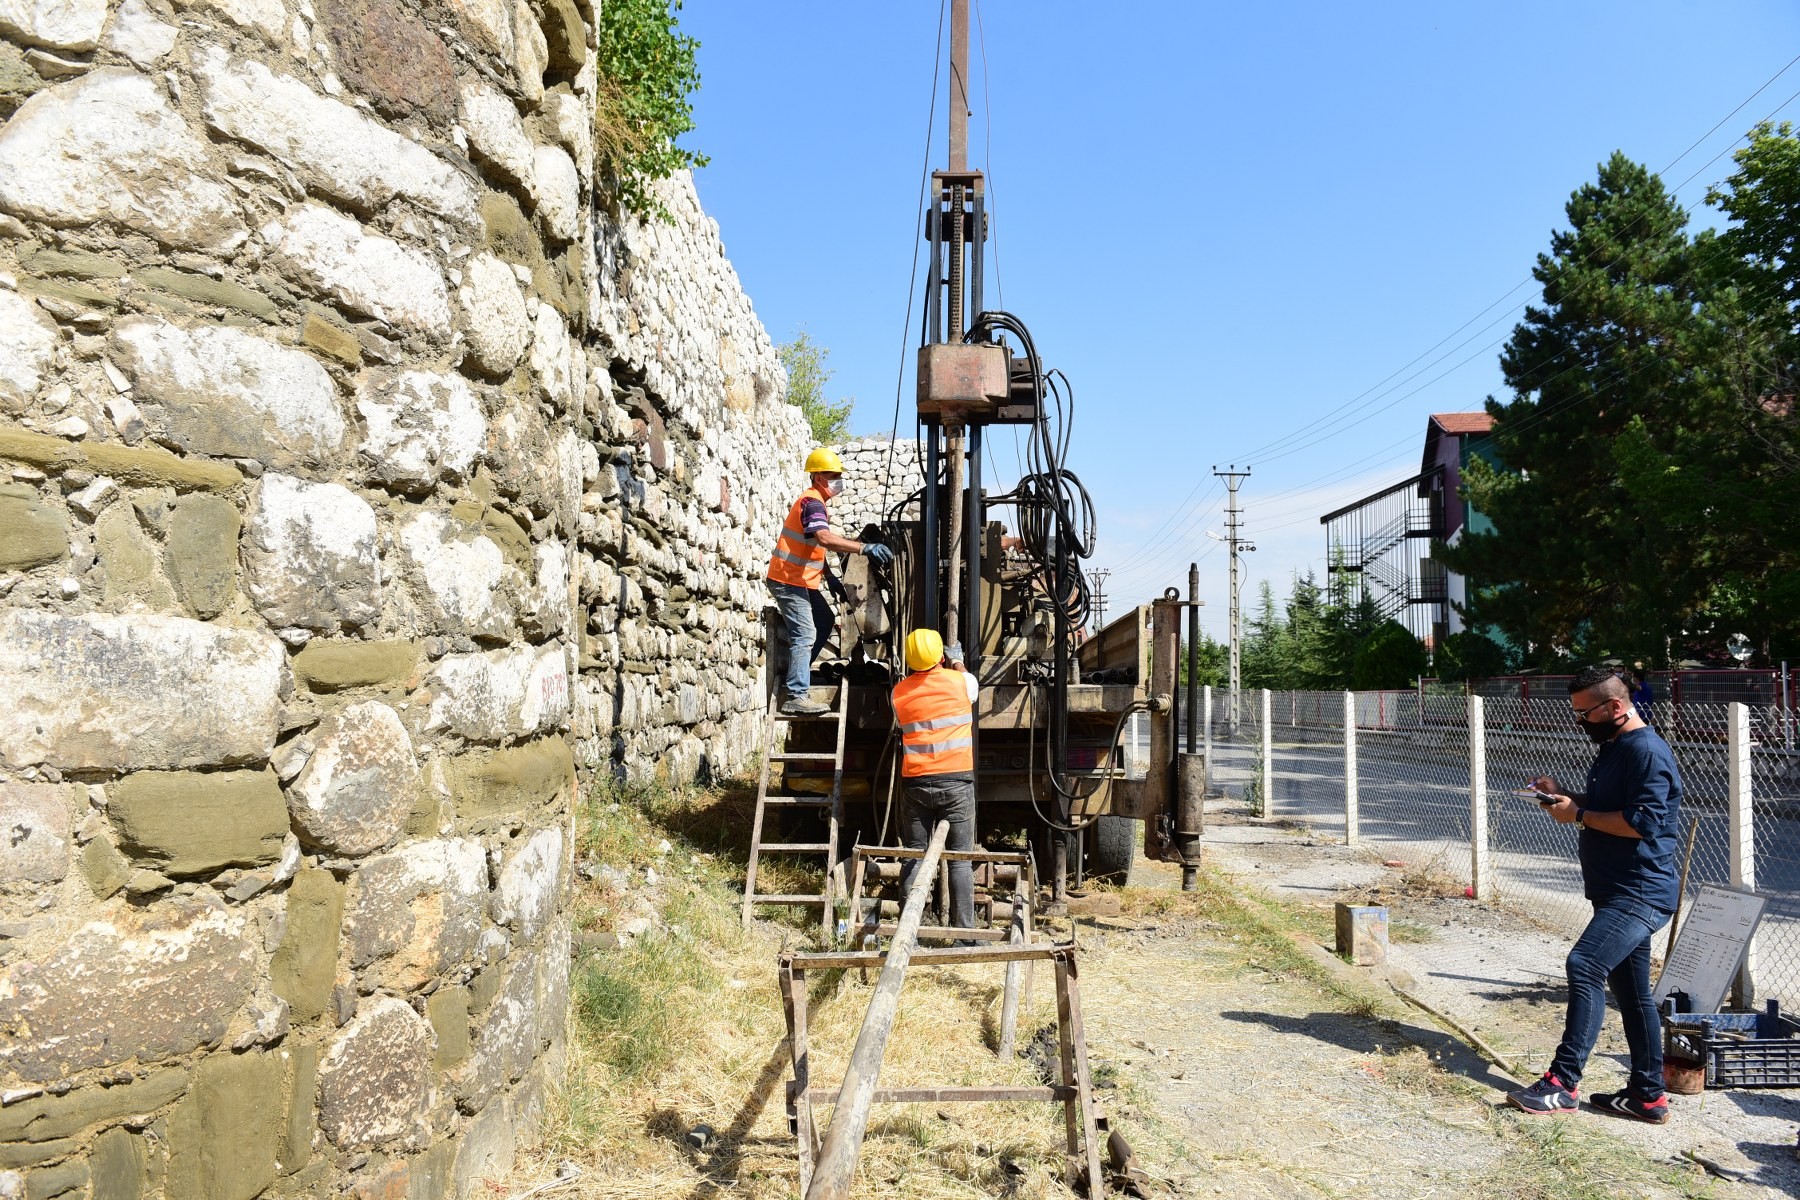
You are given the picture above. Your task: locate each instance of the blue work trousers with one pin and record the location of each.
(1614, 950)
(805, 626)
(926, 800)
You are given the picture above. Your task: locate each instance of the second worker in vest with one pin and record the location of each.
(797, 574)
(935, 708)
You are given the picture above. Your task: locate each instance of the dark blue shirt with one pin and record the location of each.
(1634, 775)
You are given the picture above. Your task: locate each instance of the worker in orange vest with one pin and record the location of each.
(797, 573)
(935, 707)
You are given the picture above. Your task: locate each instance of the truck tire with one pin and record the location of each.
(1111, 848)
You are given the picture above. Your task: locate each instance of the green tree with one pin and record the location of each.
(1266, 657)
(1620, 349)
(1471, 655)
(648, 75)
(1215, 662)
(1391, 658)
(807, 377)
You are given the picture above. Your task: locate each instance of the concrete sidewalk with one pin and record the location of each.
(1501, 977)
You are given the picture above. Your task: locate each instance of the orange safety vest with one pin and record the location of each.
(798, 559)
(937, 725)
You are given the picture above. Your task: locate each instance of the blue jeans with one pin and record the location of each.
(1614, 949)
(805, 623)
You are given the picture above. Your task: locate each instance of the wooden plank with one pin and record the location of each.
(949, 956)
(843, 1139)
(955, 1095)
(1078, 1048)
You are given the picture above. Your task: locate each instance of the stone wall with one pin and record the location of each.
(874, 469)
(336, 433)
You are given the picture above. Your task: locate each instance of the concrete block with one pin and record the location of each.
(1362, 933)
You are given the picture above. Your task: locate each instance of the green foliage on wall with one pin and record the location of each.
(647, 75)
(807, 377)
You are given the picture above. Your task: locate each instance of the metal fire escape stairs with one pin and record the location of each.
(776, 726)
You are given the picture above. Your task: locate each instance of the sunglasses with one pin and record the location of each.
(1581, 713)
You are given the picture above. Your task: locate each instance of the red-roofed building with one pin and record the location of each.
(1382, 542)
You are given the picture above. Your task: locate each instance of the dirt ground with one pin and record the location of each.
(1237, 1055)
(1261, 1086)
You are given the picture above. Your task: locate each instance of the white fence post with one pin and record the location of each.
(1350, 796)
(1480, 879)
(1743, 835)
(1268, 758)
(1206, 721)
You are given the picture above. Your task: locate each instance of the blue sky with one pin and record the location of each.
(1232, 227)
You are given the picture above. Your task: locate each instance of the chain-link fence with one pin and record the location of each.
(1410, 799)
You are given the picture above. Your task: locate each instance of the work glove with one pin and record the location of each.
(953, 653)
(877, 553)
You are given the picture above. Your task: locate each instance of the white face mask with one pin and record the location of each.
(833, 486)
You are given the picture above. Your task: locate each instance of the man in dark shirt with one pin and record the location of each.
(1628, 818)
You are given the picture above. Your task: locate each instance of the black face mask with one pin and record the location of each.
(1600, 731)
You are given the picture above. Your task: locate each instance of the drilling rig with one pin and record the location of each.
(1054, 705)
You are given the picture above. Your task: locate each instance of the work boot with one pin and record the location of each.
(800, 706)
(1544, 1098)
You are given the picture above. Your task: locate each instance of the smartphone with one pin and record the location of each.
(1545, 798)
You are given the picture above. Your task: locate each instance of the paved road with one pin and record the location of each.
(1414, 806)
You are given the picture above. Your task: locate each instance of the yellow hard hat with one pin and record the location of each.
(924, 649)
(823, 460)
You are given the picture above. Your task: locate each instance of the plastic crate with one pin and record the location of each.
(1738, 1049)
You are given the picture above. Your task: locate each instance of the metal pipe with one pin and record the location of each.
(934, 298)
(972, 520)
(1193, 658)
(850, 1120)
(959, 85)
(953, 542)
(933, 453)
(1009, 1003)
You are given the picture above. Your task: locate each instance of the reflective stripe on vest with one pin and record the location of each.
(798, 559)
(937, 725)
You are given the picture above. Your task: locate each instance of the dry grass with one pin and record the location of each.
(684, 1027)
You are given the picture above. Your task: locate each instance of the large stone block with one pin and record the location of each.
(385, 52)
(497, 325)
(129, 562)
(522, 780)
(501, 694)
(119, 1166)
(148, 984)
(365, 272)
(417, 911)
(50, 1118)
(62, 24)
(530, 884)
(195, 823)
(222, 391)
(331, 666)
(110, 148)
(506, 1038)
(222, 1136)
(491, 23)
(496, 134)
(486, 1151)
(294, 1149)
(201, 553)
(28, 341)
(335, 148)
(135, 466)
(375, 1081)
(422, 426)
(36, 533)
(124, 693)
(469, 586)
(355, 792)
(557, 189)
(267, 17)
(305, 963)
(35, 820)
(310, 555)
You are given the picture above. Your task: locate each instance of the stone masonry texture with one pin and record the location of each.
(365, 481)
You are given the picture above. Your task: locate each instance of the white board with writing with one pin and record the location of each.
(1710, 946)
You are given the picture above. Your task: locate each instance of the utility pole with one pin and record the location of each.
(1233, 522)
(1097, 577)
